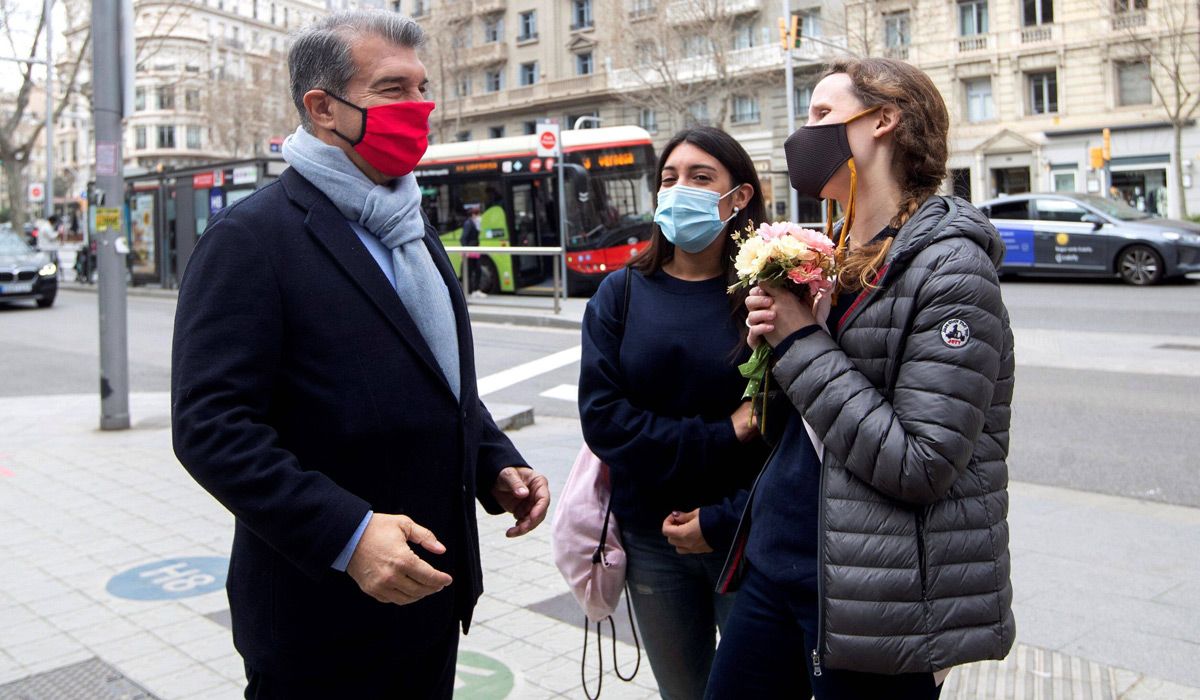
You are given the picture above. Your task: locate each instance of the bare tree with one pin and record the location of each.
(248, 102)
(678, 57)
(1166, 37)
(16, 139)
(448, 27)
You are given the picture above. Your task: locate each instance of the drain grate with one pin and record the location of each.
(87, 680)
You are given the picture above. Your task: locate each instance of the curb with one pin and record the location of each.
(511, 416)
(481, 315)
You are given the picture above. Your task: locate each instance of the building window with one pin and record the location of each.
(592, 123)
(1043, 93)
(1064, 182)
(494, 80)
(582, 14)
(463, 136)
(463, 87)
(1133, 83)
(495, 132)
(696, 45)
(529, 127)
(583, 63)
(493, 30)
(139, 99)
(191, 99)
(743, 35)
(139, 138)
(166, 137)
(1037, 12)
(420, 8)
(529, 73)
(745, 109)
(803, 98)
(641, 8)
(193, 137)
(1129, 5)
(896, 37)
(528, 26)
(648, 120)
(166, 97)
(980, 107)
(972, 17)
(697, 113)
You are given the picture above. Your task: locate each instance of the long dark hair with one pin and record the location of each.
(730, 154)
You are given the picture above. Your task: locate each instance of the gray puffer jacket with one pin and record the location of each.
(912, 402)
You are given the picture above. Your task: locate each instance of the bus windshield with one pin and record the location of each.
(608, 203)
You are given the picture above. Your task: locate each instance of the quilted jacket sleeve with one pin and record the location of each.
(913, 444)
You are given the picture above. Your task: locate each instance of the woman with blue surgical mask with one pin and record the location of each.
(660, 402)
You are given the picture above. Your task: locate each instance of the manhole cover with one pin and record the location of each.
(87, 680)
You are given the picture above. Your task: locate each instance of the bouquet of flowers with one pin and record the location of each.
(786, 255)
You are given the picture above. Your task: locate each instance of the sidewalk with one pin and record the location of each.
(113, 569)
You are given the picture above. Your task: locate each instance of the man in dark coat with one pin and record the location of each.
(324, 391)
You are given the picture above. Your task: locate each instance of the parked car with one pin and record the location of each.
(25, 273)
(1080, 234)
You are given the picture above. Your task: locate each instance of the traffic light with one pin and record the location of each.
(1097, 158)
(1107, 143)
(789, 34)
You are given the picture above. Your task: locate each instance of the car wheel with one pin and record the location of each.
(1140, 265)
(45, 302)
(489, 279)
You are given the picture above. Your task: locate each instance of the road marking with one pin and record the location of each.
(562, 392)
(515, 375)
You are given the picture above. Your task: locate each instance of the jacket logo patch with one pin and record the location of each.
(955, 333)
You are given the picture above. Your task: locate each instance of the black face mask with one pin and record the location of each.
(815, 154)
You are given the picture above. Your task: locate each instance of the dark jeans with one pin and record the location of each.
(769, 631)
(677, 611)
(423, 669)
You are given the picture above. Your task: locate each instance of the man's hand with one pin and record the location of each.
(683, 531)
(387, 569)
(524, 493)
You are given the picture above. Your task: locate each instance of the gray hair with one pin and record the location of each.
(320, 57)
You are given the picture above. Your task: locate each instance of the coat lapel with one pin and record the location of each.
(326, 224)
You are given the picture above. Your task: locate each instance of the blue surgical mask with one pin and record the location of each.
(689, 218)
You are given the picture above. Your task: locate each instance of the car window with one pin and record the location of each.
(11, 244)
(1057, 210)
(1018, 209)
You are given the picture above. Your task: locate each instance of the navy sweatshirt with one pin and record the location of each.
(655, 402)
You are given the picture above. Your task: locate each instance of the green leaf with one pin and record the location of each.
(755, 370)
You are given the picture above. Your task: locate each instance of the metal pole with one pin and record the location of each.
(111, 245)
(789, 84)
(48, 8)
(560, 262)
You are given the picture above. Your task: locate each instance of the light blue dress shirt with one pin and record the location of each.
(383, 257)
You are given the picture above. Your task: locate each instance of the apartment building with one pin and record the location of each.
(1032, 84)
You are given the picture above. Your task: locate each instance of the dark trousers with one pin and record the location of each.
(769, 630)
(422, 669)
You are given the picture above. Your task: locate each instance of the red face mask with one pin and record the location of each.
(393, 137)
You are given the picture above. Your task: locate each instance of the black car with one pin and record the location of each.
(1080, 234)
(25, 273)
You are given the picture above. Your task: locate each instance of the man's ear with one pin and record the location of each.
(319, 106)
(886, 120)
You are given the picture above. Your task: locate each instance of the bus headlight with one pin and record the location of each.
(49, 269)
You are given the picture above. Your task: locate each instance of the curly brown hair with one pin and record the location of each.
(920, 141)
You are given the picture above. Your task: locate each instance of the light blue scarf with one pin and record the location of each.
(391, 213)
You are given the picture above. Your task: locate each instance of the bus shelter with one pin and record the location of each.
(169, 211)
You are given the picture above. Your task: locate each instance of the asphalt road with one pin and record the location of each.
(1124, 421)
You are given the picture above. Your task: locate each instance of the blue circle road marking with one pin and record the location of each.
(181, 577)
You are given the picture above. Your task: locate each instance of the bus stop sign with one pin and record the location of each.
(547, 141)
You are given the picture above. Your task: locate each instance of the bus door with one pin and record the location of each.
(530, 228)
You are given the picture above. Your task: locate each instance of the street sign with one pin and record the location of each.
(548, 145)
(276, 145)
(245, 175)
(37, 192)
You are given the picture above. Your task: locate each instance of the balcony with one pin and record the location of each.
(489, 7)
(977, 42)
(486, 55)
(1129, 20)
(691, 11)
(1038, 33)
(527, 96)
(899, 53)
